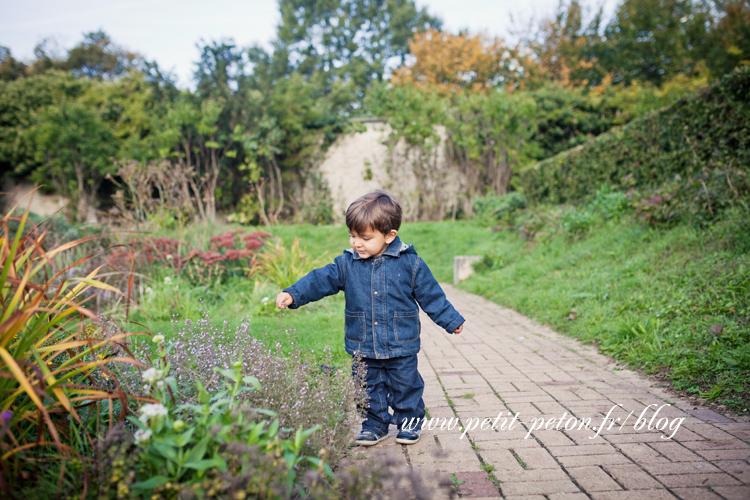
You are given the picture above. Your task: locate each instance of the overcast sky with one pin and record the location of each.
(168, 30)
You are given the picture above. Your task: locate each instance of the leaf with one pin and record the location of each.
(150, 484)
(729, 361)
(213, 144)
(196, 454)
(205, 464)
(716, 329)
(166, 451)
(249, 379)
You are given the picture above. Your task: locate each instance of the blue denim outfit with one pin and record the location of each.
(383, 296)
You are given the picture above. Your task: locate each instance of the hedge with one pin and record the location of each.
(699, 147)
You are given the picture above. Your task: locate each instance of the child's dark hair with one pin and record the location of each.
(376, 210)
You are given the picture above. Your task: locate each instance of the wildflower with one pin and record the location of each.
(167, 280)
(158, 339)
(142, 436)
(152, 375)
(152, 410)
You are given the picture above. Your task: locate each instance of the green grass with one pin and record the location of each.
(316, 325)
(650, 297)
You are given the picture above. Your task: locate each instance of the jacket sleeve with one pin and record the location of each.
(431, 298)
(319, 283)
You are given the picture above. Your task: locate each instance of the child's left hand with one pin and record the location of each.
(458, 330)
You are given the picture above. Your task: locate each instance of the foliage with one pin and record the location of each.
(54, 365)
(491, 209)
(210, 444)
(284, 265)
(651, 40)
(452, 64)
(699, 142)
(345, 44)
(729, 38)
(74, 149)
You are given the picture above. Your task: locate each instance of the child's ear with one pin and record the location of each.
(391, 236)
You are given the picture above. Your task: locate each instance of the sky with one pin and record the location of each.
(167, 31)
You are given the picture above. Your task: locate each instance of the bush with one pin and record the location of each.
(700, 141)
(492, 209)
(285, 265)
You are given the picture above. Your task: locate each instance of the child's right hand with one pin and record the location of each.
(284, 300)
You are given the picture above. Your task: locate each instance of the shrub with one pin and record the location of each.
(285, 265)
(232, 442)
(492, 209)
(577, 221)
(701, 140)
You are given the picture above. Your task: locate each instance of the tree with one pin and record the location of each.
(97, 57)
(10, 68)
(653, 40)
(76, 151)
(21, 100)
(562, 50)
(452, 64)
(348, 41)
(191, 137)
(729, 39)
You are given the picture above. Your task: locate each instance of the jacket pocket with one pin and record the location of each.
(406, 326)
(355, 328)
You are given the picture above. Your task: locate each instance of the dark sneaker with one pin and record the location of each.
(408, 436)
(369, 438)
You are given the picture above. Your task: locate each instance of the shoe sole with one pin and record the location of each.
(370, 443)
(406, 441)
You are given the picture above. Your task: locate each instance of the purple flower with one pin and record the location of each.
(7, 415)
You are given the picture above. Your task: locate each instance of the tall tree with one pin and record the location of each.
(729, 40)
(348, 41)
(451, 64)
(97, 57)
(653, 40)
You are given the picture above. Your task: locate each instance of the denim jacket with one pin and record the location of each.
(382, 293)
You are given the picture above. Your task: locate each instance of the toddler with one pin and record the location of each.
(384, 282)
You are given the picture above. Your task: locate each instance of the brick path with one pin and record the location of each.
(505, 362)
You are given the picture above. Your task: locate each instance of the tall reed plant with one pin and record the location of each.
(54, 381)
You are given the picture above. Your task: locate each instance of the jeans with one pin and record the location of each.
(393, 382)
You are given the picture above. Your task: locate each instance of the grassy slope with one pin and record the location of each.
(645, 296)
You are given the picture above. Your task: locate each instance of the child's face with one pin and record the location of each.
(371, 243)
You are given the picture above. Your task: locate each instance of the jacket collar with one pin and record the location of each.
(394, 249)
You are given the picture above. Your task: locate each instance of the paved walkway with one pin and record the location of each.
(505, 364)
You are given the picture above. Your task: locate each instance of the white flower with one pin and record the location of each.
(142, 436)
(158, 339)
(152, 410)
(265, 300)
(149, 290)
(152, 375)
(168, 280)
(169, 257)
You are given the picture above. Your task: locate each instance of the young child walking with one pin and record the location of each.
(384, 282)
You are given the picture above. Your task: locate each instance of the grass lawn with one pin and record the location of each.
(314, 326)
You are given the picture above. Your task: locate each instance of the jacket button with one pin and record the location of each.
(376, 323)
(376, 293)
